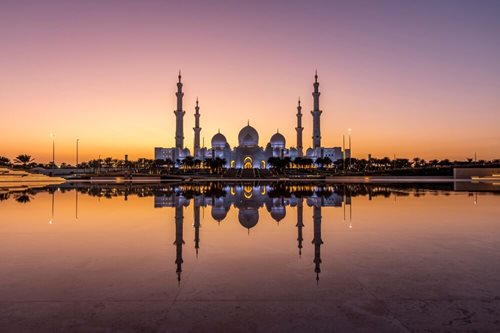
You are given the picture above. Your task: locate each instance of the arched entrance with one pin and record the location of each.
(248, 163)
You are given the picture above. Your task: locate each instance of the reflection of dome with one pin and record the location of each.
(278, 213)
(248, 217)
(219, 212)
(278, 140)
(219, 141)
(248, 137)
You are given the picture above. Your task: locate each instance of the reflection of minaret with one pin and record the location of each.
(179, 242)
(179, 115)
(316, 113)
(197, 130)
(317, 240)
(196, 225)
(348, 201)
(299, 129)
(300, 225)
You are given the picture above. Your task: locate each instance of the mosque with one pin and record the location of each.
(248, 153)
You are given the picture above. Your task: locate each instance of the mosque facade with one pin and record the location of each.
(248, 153)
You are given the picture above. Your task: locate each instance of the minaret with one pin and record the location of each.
(300, 225)
(317, 239)
(316, 113)
(179, 242)
(179, 115)
(197, 130)
(299, 129)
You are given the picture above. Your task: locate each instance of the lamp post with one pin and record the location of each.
(77, 141)
(53, 136)
(350, 149)
(343, 153)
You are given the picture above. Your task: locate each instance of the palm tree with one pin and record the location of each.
(386, 162)
(108, 163)
(95, 165)
(24, 159)
(273, 161)
(307, 162)
(297, 161)
(24, 197)
(4, 161)
(327, 162)
(319, 162)
(188, 162)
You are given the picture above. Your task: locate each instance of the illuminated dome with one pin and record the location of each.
(219, 213)
(248, 137)
(248, 217)
(309, 152)
(278, 140)
(278, 213)
(277, 209)
(183, 153)
(219, 141)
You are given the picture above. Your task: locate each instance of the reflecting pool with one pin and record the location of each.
(249, 257)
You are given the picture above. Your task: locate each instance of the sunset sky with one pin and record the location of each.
(411, 78)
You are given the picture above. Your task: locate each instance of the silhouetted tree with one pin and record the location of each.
(24, 197)
(4, 161)
(24, 160)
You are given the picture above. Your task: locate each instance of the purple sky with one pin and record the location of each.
(411, 78)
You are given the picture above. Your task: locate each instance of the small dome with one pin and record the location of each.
(309, 152)
(248, 137)
(278, 213)
(183, 153)
(219, 213)
(219, 141)
(248, 217)
(278, 140)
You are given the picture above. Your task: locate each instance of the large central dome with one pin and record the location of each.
(248, 137)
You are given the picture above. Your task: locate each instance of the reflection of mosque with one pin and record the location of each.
(248, 200)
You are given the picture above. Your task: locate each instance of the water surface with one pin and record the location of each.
(250, 258)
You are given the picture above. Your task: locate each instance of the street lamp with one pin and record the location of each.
(343, 153)
(53, 136)
(77, 140)
(350, 149)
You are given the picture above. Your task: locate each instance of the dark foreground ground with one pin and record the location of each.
(355, 305)
(370, 296)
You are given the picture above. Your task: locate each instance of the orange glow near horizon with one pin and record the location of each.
(97, 73)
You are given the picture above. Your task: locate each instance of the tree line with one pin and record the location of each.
(217, 165)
